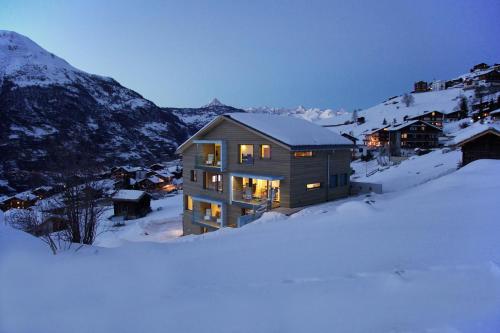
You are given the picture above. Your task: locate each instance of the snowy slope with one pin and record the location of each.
(423, 260)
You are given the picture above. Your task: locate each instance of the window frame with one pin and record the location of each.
(193, 175)
(261, 151)
(303, 154)
(240, 157)
(314, 186)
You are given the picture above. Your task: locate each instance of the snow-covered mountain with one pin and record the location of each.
(55, 117)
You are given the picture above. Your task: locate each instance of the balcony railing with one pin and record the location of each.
(208, 162)
(207, 220)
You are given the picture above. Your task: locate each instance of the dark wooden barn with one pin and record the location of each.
(483, 145)
(131, 204)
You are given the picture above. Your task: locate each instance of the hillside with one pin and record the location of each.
(56, 117)
(388, 263)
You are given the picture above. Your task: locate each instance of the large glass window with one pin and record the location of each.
(265, 152)
(246, 154)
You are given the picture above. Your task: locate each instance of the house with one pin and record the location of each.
(376, 138)
(479, 67)
(241, 165)
(413, 134)
(435, 118)
(492, 76)
(156, 166)
(479, 141)
(420, 86)
(454, 83)
(21, 200)
(454, 115)
(150, 183)
(131, 204)
(438, 85)
(125, 172)
(43, 192)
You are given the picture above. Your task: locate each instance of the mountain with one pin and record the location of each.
(196, 118)
(56, 117)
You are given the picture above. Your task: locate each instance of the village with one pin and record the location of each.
(238, 166)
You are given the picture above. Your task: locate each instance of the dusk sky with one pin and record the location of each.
(327, 54)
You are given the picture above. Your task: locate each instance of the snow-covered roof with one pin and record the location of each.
(290, 130)
(26, 196)
(155, 180)
(472, 131)
(409, 123)
(129, 195)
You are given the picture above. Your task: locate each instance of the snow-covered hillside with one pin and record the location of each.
(425, 259)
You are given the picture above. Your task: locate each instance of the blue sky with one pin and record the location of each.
(349, 54)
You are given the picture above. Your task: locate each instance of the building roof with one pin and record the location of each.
(424, 114)
(413, 122)
(289, 131)
(474, 131)
(129, 195)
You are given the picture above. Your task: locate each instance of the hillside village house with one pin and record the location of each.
(435, 118)
(240, 165)
(413, 134)
(131, 204)
(420, 86)
(377, 138)
(480, 141)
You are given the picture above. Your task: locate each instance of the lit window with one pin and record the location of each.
(313, 186)
(189, 202)
(265, 151)
(246, 154)
(303, 154)
(404, 135)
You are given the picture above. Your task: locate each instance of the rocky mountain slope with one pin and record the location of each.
(56, 117)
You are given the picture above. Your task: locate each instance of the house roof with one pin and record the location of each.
(413, 122)
(424, 114)
(129, 195)
(474, 131)
(287, 131)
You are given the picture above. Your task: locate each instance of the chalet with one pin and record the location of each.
(43, 192)
(131, 204)
(420, 86)
(150, 183)
(454, 83)
(21, 200)
(479, 67)
(413, 134)
(492, 76)
(156, 166)
(241, 165)
(376, 138)
(438, 85)
(435, 118)
(479, 141)
(455, 115)
(123, 172)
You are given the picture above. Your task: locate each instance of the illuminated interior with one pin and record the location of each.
(246, 154)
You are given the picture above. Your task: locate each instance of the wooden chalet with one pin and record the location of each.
(481, 142)
(150, 183)
(413, 134)
(43, 192)
(21, 201)
(420, 86)
(131, 204)
(479, 67)
(490, 76)
(156, 166)
(377, 138)
(435, 118)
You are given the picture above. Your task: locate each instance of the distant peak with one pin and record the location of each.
(214, 102)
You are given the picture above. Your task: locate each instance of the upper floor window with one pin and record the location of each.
(303, 154)
(265, 152)
(212, 181)
(246, 154)
(192, 175)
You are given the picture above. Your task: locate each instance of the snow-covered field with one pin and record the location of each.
(414, 171)
(424, 259)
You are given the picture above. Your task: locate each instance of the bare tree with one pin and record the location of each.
(408, 99)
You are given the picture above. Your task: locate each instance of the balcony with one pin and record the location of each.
(210, 155)
(208, 212)
(255, 191)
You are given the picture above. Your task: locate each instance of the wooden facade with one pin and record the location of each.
(420, 86)
(435, 118)
(132, 208)
(414, 134)
(485, 145)
(377, 138)
(276, 173)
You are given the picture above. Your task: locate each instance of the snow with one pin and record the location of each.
(409, 173)
(473, 130)
(214, 102)
(287, 129)
(128, 195)
(425, 259)
(164, 223)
